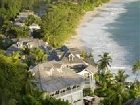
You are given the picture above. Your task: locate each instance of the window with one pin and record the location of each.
(68, 88)
(57, 92)
(74, 86)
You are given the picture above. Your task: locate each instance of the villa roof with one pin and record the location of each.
(76, 57)
(12, 49)
(76, 60)
(63, 53)
(75, 51)
(57, 65)
(88, 68)
(58, 79)
(92, 69)
(34, 42)
(24, 14)
(30, 40)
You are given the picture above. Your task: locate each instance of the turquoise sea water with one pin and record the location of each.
(116, 29)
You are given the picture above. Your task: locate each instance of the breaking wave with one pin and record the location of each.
(96, 34)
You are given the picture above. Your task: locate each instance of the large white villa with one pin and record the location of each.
(59, 81)
(64, 80)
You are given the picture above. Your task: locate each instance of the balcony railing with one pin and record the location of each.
(60, 94)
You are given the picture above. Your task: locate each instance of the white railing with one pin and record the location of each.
(67, 92)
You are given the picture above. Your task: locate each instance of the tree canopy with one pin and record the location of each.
(17, 86)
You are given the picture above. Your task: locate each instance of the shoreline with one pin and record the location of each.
(75, 41)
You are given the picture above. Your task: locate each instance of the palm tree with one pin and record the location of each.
(136, 68)
(38, 54)
(116, 95)
(121, 76)
(16, 57)
(28, 86)
(135, 89)
(104, 62)
(104, 81)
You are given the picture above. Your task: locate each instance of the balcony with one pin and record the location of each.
(66, 92)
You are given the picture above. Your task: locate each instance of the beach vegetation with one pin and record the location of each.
(17, 86)
(88, 92)
(61, 20)
(113, 88)
(104, 62)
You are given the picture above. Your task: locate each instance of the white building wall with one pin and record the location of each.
(91, 83)
(75, 98)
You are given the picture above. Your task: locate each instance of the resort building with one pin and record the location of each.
(22, 43)
(69, 56)
(59, 81)
(21, 18)
(34, 27)
(87, 72)
(24, 15)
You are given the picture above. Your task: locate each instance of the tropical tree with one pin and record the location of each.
(121, 76)
(17, 85)
(104, 62)
(16, 57)
(116, 95)
(38, 54)
(29, 86)
(135, 89)
(136, 68)
(104, 80)
(11, 75)
(30, 100)
(6, 27)
(52, 101)
(32, 19)
(88, 92)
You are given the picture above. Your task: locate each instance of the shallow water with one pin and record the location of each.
(115, 29)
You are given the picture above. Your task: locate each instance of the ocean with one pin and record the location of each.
(116, 30)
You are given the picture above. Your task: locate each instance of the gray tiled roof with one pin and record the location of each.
(34, 42)
(58, 79)
(92, 69)
(75, 60)
(12, 49)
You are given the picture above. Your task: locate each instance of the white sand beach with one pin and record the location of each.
(76, 41)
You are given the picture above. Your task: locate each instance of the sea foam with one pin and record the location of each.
(95, 36)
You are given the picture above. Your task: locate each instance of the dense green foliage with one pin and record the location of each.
(113, 87)
(34, 56)
(61, 19)
(58, 24)
(136, 66)
(10, 80)
(17, 87)
(5, 43)
(104, 62)
(88, 92)
(32, 19)
(10, 8)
